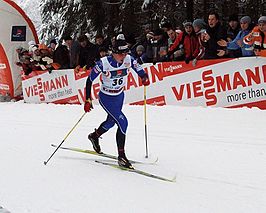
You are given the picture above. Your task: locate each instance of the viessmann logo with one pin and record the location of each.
(173, 68)
(41, 87)
(209, 86)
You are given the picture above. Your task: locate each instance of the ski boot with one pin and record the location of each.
(124, 162)
(94, 138)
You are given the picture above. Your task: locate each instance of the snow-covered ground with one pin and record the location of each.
(217, 154)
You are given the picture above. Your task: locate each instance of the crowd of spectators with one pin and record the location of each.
(193, 41)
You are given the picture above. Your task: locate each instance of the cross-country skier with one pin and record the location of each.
(114, 70)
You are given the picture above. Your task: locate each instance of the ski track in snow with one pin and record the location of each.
(218, 156)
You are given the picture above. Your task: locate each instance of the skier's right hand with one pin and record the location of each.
(88, 105)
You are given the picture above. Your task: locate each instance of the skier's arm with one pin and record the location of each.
(94, 74)
(140, 71)
(88, 88)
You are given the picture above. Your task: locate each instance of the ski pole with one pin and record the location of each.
(45, 162)
(145, 121)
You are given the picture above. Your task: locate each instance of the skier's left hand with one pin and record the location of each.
(145, 80)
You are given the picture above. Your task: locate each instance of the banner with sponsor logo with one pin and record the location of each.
(6, 83)
(217, 83)
(57, 87)
(234, 83)
(16, 31)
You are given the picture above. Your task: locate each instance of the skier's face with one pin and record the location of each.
(119, 57)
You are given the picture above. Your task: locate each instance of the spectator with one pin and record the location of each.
(190, 42)
(73, 47)
(237, 43)
(178, 55)
(141, 55)
(233, 27)
(52, 46)
(35, 52)
(232, 32)
(156, 44)
(88, 53)
(44, 51)
(26, 62)
(102, 43)
(46, 62)
(257, 37)
(199, 27)
(103, 52)
(215, 32)
(62, 53)
(142, 38)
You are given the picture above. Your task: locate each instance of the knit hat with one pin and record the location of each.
(187, 23)
(199, 23)
(262, 19)
(120, 46)
(140, 48)
(245, 19)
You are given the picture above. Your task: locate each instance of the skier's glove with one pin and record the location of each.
(88, 105)
(145, 80)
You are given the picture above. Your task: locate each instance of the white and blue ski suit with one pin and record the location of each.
(111, 95)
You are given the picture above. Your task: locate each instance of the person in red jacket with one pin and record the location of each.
(189, 41)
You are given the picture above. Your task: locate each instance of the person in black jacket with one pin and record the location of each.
(215, 32)
(88, 53)
(61, 56)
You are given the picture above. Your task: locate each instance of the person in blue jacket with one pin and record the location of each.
(114, 70)
(237, 43)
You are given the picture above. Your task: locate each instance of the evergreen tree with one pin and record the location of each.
(74, 17)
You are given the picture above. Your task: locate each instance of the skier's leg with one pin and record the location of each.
(122, 159)
(114, 110)
(94, 138)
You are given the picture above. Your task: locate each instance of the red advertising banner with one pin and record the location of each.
(6, 83)
(217, 83)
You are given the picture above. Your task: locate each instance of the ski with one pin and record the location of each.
(141, 172)
(87, 151)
